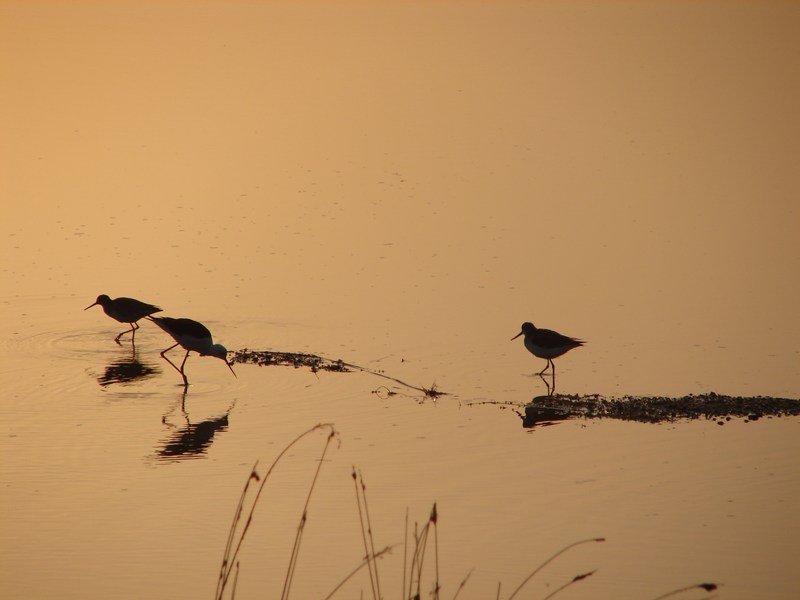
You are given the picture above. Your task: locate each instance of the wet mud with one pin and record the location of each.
(549, 409)
(267, 358)
(544, 410)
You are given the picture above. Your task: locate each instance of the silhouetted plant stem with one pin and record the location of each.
(361, 565)
(569, 583)
(235, 581)
(233, 547)
(462, 584)
(369, 531)
(418, 558)
(303, 520)
(405, 556)
(431, 392)
(224, 574)
(414, 561)
(372, 577)
(433, 519)
(551, 559)
(709, 587)
(227, 560)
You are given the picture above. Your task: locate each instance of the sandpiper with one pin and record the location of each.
(125, 310)
(547, 344)
(193, 337)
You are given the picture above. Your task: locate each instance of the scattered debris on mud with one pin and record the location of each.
(656, 409)
(264, 358)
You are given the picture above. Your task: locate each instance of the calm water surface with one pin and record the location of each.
(400, 186)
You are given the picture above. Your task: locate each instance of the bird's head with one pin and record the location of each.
(102, 300)
(219, 351)
(526, 328)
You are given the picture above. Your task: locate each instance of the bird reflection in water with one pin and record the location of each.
(190, 440)
(127, 369)
(537, 415)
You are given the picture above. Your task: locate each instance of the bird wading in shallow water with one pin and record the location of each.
(547, 344)
(125, 310)
(193, 337)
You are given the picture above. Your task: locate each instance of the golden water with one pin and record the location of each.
(399, 185)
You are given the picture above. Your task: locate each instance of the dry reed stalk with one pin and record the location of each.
(369, 531)
(405, 555)
(287, 585)
(551, 559)
(464, 583)
(569, 583)
(709, 587)
(234, 546)
(418, 558)
(434, 518)
(370, 564)
(361, 565)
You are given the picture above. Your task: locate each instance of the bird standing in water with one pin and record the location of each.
(547, 344)
(125, 310)
(193, 337)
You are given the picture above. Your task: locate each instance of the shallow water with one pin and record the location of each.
(398, 186)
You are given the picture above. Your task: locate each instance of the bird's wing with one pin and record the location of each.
(555, 339)
(132, 304)
(186, 327)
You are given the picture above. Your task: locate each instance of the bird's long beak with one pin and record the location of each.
(90, 306)
(231, 368)
(516, 336)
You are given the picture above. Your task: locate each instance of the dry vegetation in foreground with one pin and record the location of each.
(419, 575)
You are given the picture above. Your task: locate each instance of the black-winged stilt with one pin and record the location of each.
(125, 310)
(547, 344)
(193, 337)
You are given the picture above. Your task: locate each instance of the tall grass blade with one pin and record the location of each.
(551, 559)
(287, 585)
(464, 583)
(405, 557)
(569, 583)
(371, 538)
(364, 537)
(709, 587)
(360, 566)
(234, 544)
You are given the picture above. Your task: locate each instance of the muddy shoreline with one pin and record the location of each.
(659, 409)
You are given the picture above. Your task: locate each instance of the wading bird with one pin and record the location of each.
(125, 310)
(547, 344)
(193, 337)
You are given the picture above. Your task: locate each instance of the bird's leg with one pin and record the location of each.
(550, 388)
(554, 377)
(116, 339)
(174, 366)
(185, 380)
(134, 327)
(547, 364)
(167, 350)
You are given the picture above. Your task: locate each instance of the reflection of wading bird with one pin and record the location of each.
(195, 438)
(126, 370)
(125, 310)
(547, 344)
(193, 337)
